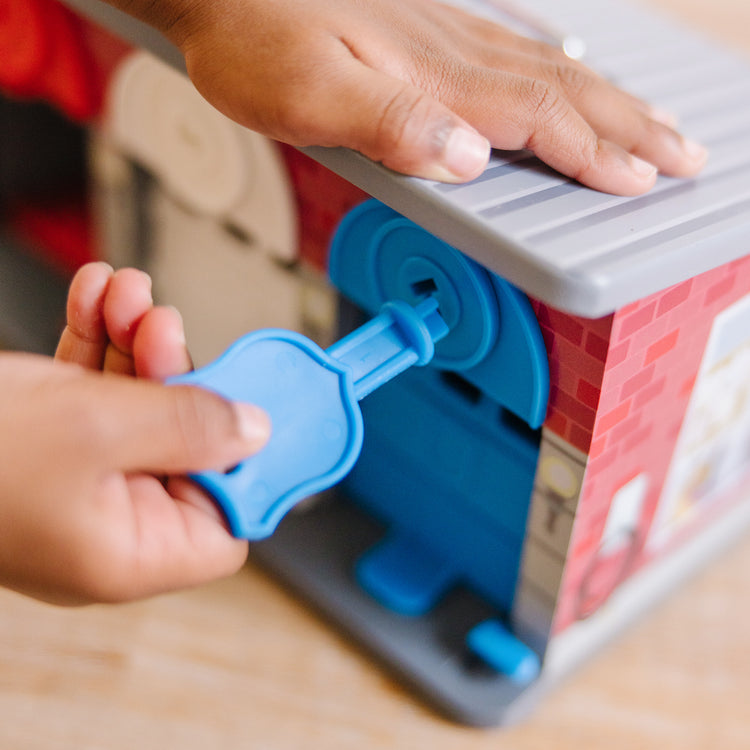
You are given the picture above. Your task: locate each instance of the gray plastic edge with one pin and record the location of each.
(136, 32)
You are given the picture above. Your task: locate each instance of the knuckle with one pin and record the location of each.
(589, 157)
(546, 105)
(403, 113)
(190, 422)
(413, 122)
(573, 80)
(550, 52)
(641, 131)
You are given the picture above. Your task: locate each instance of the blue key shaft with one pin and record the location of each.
(399, 337)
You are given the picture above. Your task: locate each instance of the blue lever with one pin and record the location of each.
(311, 397)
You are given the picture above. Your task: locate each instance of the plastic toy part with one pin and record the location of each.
(402, 261)
(499, 648)
(450, 455)
(402, 574)
(208, 164)
(378, 255)
(405, 576)
(311, 396)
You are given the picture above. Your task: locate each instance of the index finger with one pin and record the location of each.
(84, 340)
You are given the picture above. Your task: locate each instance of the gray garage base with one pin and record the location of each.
(314, 552)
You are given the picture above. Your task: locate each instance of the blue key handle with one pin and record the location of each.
(311, 396)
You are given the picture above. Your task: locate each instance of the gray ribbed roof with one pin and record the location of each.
(578, 249)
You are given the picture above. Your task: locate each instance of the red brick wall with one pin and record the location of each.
(653, 357)
(577, 350)
(322, 200)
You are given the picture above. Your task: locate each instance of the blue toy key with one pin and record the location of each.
(311, 396)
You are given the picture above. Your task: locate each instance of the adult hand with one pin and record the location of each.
(420, 86)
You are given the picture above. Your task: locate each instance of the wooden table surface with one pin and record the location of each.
(241, 664)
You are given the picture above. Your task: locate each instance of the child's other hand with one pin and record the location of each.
(93, 503)
(113, 325)
(417, 85)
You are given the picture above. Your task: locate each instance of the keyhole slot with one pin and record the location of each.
(424, 287)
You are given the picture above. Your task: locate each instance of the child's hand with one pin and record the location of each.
(417, 85)
(92, 503)
(112, 325)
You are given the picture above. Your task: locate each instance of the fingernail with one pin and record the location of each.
(664, 116)
(682, 156)
(254, 424)
(694, 150)
(465, 155)
(641, 167)
(180, 330)
(147, 277)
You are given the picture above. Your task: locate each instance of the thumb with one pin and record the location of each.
(403, 127)
(146, 426)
